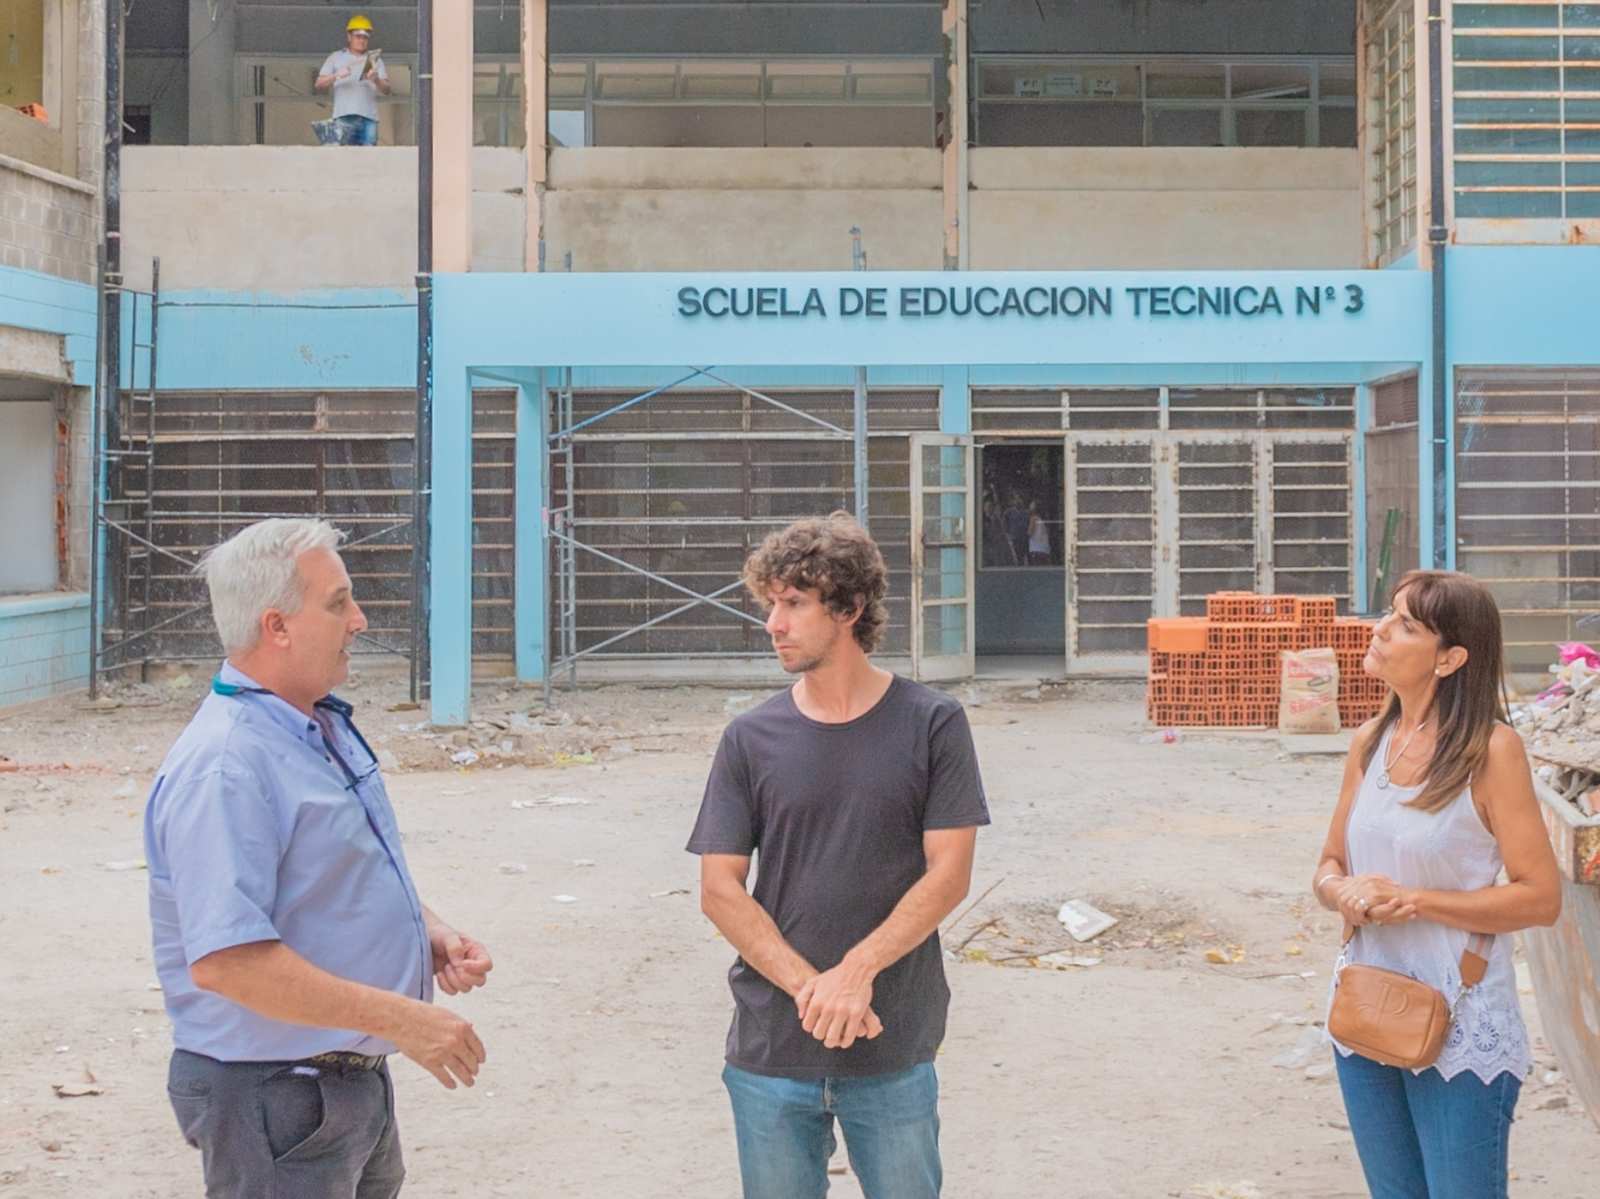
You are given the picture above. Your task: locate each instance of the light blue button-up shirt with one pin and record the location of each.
(254, 832)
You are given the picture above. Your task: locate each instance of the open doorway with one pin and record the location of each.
(1021, 576)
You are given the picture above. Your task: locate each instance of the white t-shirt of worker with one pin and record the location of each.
(353, 96)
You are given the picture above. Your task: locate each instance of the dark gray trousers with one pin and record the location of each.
(275, 1130)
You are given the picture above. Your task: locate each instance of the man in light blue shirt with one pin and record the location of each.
(291, 945)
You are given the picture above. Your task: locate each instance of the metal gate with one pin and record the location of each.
(1158, 521)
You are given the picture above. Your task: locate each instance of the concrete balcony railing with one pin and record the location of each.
(287, 218)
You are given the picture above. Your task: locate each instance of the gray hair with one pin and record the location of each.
(254, 570)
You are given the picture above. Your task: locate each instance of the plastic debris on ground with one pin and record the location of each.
(1083, 920)
(551, 801)
(1312, 1046)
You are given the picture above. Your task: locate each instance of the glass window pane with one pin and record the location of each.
(486, 79)
(1499, 16)
(635, 80)
(568, 79)
(722, 80)
(285, 77)
(1063, 123)
(1270, 82)
(890, 80)
(806, 80)
(1185, 126)
(1337, 127)
(1541, 48)
(566, 127)
(1185, 80)
(1336, 79)
(1270, 127)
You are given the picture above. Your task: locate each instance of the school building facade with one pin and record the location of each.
(1269, 295)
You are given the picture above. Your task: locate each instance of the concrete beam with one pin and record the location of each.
(535, 111)
(452, 136)
(956, 179)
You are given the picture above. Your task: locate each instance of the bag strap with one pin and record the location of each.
(1474, 958)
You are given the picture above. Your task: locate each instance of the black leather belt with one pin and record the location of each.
(344, 1061)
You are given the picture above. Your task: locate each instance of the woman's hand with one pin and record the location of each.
(1374, 899)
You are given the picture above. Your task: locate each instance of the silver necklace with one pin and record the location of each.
(1388, 764)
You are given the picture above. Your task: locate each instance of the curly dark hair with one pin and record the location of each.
(834, 556)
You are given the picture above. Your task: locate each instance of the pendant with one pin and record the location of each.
(1383, 781)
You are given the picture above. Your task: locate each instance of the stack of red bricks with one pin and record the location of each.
(1225, 669)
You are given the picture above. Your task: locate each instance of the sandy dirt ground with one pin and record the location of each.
(1148, 1073)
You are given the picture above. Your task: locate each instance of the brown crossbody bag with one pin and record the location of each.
(1393, 1018)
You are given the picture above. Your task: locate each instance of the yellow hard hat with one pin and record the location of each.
(358, 22)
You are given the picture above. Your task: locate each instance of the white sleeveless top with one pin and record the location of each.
(1039, 538)
(1447, 850)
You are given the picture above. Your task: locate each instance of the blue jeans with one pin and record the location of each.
(785, 1133)
(1420, 1137)
(357, 130)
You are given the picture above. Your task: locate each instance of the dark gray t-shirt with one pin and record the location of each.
(835, 814)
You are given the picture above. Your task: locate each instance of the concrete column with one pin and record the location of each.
(956, 172)
(1424, 133)
(535, 111)
(452, 139)
(450, 534)
(532, 547)
(211, 74)
(955, 400)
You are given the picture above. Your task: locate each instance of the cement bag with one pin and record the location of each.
(1309, 701)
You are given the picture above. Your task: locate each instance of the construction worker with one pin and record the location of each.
(356, 82)
(860, 791)
(293, 951)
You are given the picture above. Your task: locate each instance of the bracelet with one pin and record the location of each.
(1316, 888)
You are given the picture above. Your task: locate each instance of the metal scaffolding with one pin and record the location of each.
(153, 511)
(563, 517)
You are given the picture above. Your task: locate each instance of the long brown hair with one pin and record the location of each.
(1468, 702)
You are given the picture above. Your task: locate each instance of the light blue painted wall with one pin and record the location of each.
(618, 330)
(44, 640)
(1514, 306)
(46, 304)
(359, 338)
(44, 646)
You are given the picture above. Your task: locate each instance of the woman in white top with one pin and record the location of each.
(1437, 799)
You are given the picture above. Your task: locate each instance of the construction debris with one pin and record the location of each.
(1083, 920)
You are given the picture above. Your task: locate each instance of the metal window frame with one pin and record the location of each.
(590, 100)
(1391, 116)
(1565, 189)
(1227, 104)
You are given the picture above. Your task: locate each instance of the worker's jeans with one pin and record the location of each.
(785, 1133)
(267, 1129)
(357, 130)
(1420, 1137)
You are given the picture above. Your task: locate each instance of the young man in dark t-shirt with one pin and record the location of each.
(860, 790)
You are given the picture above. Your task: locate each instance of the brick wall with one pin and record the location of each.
(44, 647)
(46, 226)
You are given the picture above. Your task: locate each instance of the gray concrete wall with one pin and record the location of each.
(1161, 207)
(1164, 27)
(743, 209)
(288, 218)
